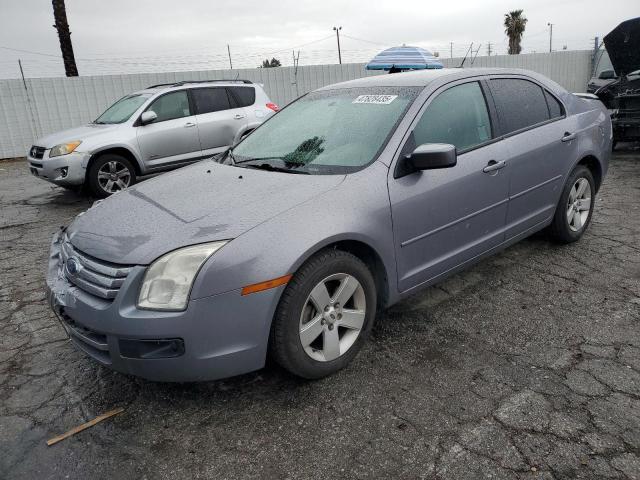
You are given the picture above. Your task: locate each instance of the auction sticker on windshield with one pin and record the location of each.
(379, 99)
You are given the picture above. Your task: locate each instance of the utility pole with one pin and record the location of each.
(450, 49)
(64, 35)
(489, 49)
(229, 52)
(337, 29)
(594, 58)
(26, 92)
(550, 25)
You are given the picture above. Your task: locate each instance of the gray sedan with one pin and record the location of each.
(345, 202)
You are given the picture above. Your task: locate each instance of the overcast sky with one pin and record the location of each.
(118, 36)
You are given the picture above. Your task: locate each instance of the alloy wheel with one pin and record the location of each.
(113, 176)
(332, 317)
(579, 204)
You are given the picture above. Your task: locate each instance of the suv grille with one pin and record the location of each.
(37, 152)
(96, 277)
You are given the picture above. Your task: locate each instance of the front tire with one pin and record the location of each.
(324, 316)
(575, 208)
(110, 173)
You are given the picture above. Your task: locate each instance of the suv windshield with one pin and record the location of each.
(327, 132)
(123, 109)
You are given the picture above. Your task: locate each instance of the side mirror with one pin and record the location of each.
(607, 75)
(432, 155)
(148, 117)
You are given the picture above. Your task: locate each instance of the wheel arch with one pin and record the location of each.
(366, 253)
(117, 150)
(595, 167)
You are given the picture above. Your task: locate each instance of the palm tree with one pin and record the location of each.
(61, 25)
(514, 25)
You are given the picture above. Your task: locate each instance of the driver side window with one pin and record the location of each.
(171, 106)
(457, 116)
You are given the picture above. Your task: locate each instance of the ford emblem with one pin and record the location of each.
(73, 266)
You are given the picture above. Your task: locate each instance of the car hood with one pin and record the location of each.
(623, 46)
(201, 203)
(77, 133)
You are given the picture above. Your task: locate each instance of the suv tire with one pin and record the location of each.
(110, 173)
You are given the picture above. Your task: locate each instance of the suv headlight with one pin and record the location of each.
(167, 282)
(64, 148)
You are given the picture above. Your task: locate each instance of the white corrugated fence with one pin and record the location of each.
(48, 105)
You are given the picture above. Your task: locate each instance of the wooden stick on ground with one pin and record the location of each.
(84, 426)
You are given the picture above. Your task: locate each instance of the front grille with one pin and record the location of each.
(37, 152)
(99, 278)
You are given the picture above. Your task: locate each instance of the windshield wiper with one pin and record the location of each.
(272, 168)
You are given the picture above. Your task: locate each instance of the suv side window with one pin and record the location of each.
(170, 106)
(210, 99)
(246, 95)
(457, 116)
(520, 103)
(555, 107)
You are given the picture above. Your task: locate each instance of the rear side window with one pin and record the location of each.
(170, 106)
(520, 103)
(246, 95)
(458, 116)
(210, 99)
(555, 107)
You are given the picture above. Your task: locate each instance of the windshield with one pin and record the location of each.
(122, 110)
(327, 132)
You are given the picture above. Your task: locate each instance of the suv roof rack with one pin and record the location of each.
(184, 82)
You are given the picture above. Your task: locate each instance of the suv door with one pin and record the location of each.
(172, 138)
(540, 140)
(219, 118)
(444, 218)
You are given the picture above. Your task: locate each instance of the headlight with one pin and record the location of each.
(167, 282)
(64, 148)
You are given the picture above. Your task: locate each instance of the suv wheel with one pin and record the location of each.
(110, 173)
(575, 207)
(324, 316)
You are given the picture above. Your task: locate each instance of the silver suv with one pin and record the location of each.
(156, 129)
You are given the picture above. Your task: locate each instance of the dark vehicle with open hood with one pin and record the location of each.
(622, 97)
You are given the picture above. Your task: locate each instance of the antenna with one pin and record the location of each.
(465, 56)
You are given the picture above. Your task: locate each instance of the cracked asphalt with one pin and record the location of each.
(526, 366)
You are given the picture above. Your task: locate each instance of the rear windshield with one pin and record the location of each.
(122, 110)
(329, 131)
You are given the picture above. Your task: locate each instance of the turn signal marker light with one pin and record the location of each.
(258, 287)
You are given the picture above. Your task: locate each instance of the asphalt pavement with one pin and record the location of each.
(525, 366)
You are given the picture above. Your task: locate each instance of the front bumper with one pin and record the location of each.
(65, 170)
(215, 337)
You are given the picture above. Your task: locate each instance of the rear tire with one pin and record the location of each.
(110, 173)
(575, 207)
(312, 337)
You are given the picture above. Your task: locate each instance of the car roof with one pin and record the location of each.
(422, 78)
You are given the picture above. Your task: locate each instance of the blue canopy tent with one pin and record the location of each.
(404, 58)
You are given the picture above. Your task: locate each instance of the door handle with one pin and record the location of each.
(492, 166)
(189, 124)
(237, 116)
(568, 137)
